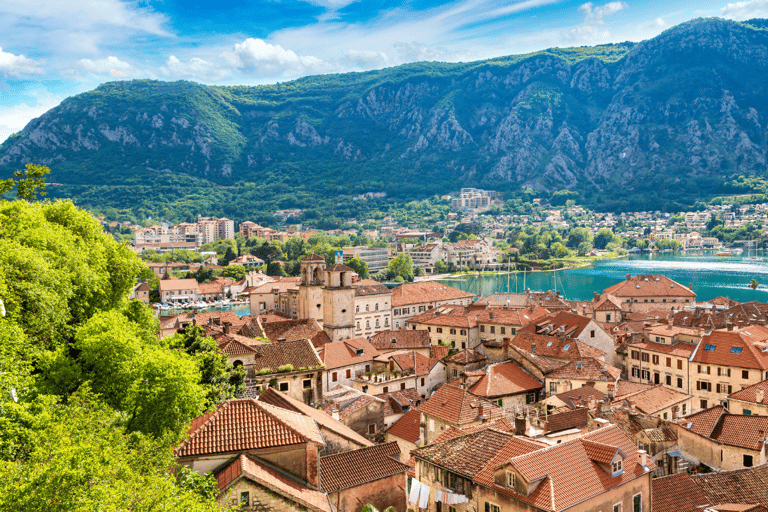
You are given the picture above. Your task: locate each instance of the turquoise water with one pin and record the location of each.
(710, 276)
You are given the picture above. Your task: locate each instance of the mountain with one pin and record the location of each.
(680, 115)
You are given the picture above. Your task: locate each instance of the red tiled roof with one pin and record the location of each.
(513, 317)
(338, 354)
(408, 427)
(430, 291)
(466, 356)
(748, 485)
(503, 379)
(677, 493)
(649, 285)
(283, 284)
(400, 339)
(566, 420)
(323, 420)
(412, 360)
(440, 351)
(573, 324)
(552, 346)
(245, 424)
(458, 406)
(679, 349)
(299, 354)
(570, 475)
(357, 467)
(625, 387)
(580, 396)
(587, 368)
(749, 394)
(703, 422)
(364, 290)
(725, 342)
(400, 400)
(731, 429)
(177, 284)
(252, 469)
(290, 330)
(650, 401)
(599, 452)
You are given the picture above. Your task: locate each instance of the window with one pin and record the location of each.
(307, 383)
(645, 357)
(702, 385)
(358, 326)
(377, 322)
(245, 498)
(747, 461)
(669, 362)
(592, 333)
(635, 371)
(357, 309)
(367, 307)
(684, 407)
(283, 386)
(616, 466)
(637, 503)
(334, 377)
(386, 321)
(679, 364)
(746, 412)
(744, 374)
(608, 317)
(656, 378)
(646, 375)
(503, 330)
(655, 359)
(453, 331)
(490, 507)
(463, 345)
(455, 373)
(402, 385)
(372, 428)
(511, 480)
(669, 380)
(680, 382)
(617, 507)
(635, 354)
(736, 350)
(552, 388)
(368, 324)
(493, 329)
(422, 381)
(376, 307)
(367, 368)
(703, 404)
(349, 373)
(439, 330)
(482, 329)
(463, 332)
(385, 389)
(665, 415)
(711, 348)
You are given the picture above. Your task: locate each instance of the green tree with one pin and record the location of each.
(234, 272)
(402, 265)
(360, 267)
(29, 182)
(228, 256)
(603, 238)
(276, 269)
(440, 267)
(753, 284)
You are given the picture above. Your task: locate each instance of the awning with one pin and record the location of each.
(674, 454)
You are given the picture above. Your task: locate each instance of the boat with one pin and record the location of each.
(724, 253)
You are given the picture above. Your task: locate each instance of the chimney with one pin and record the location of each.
(596, 296)
(631, 405)
(335, 413)
(643, 456)
(227, 327)
(520, 425)
(490, 315)
(690, 286)
(759, 394)
(628, 276)
(505, 349)
(463, 380)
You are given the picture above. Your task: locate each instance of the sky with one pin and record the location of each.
(51, 49)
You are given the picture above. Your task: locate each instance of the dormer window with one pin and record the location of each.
(359, 352)
(616, 466)
(510, 480)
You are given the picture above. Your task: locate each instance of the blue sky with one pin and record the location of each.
(49, 52)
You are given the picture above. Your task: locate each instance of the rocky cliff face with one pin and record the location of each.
(684, 107)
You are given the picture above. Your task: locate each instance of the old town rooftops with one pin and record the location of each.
(649, 285)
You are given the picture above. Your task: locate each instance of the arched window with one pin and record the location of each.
(377, 307)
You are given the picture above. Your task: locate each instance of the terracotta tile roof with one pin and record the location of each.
(364, 290)
(677, 493)
(408, 427)
(570, 475)
(312, 257)
(361, 466)
(277, 481)
(741, 349)
(723, 301)
(245, 424)
(650, 401)
(338, 354)
(439, 351)
(513, 317)
(552, 346)
(573, 324)
(412, 360)
(587, 368)
(469, 454)
(678, 349)
(338, 267)
(503, 379)
(396, 402)
(347, 400)
(466, 356)
(458, 406)
(649, 285)
(628, 422)
(323, 420)
(580, 396)
(607, 303)
(400, 339)
(447, 316)
(731, 429)
(625, 387)
(544, 364)
(299, 354)
(211, 287)
(598, 452)
(749, 394)
(566, 420)
(290, 330)
(429, 291)
(282, 284)
(671, 330)
(748, 485)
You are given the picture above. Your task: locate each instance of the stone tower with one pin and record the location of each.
(311, 287)
(339, 303)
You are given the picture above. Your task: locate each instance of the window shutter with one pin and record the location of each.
(698, 385)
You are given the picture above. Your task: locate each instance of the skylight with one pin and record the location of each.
(566, 347)
(736, 350)
(549, 344)
(710, 347)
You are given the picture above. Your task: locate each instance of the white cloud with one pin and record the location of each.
(592, 30)
(18, 65)
(111, 66)
(741, 11)
(255, 55)
(362, 59)
(195, 69)
(658, 23)
(15, 117)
